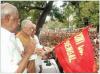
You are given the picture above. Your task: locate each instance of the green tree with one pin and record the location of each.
(85, 9)
(38, 10)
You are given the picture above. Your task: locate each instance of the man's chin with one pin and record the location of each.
(15, 31)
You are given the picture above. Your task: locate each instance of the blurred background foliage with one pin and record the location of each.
(74, 14)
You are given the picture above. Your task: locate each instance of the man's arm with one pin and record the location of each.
(23, 63)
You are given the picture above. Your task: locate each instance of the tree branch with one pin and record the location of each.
(39, 8)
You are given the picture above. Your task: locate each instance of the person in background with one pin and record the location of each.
(40, 48)
(11, 60)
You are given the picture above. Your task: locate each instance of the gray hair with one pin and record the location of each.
(26, 22)
(7, 9)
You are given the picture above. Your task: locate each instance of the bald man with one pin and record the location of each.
(11, 60)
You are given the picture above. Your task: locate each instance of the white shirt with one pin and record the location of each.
(38, 45)
(35, 56)
(38, 61)
(10, 54)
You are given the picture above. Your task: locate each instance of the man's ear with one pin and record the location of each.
(7, 18)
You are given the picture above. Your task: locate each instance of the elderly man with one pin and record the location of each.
(24, 36)
(11, 60)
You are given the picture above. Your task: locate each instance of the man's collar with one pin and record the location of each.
(6, 31)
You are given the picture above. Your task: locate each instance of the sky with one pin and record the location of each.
(57, 4)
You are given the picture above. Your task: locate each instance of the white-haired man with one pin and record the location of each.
(11, 60)
(25, 36)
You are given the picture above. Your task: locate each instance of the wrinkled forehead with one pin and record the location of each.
(30, 25)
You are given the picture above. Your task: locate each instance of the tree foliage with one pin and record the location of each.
(82, 10)
(79, 10)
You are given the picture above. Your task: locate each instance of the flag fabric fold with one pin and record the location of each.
(76, 54)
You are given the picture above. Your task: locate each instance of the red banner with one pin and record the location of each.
(76, 54)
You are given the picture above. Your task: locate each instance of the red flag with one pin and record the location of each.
(76, 54)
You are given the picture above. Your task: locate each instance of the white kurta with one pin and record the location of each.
(10, 53)
(38, 61)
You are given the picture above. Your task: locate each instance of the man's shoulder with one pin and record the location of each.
(18, 34)
(35, 37)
